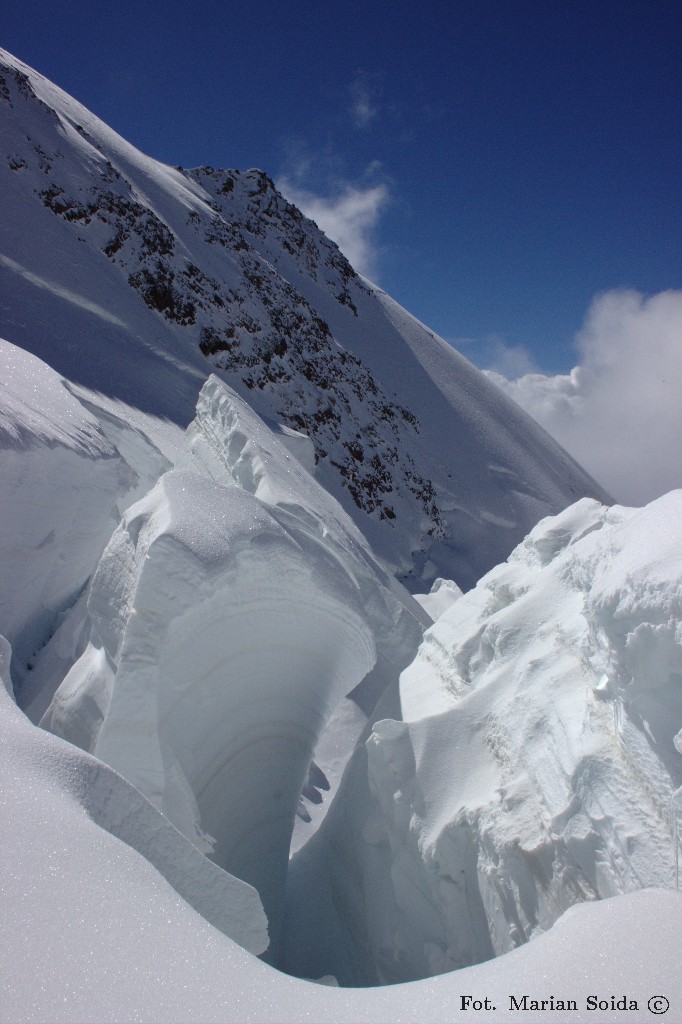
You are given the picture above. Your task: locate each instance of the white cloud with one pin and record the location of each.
(619, 411)
(348, 217)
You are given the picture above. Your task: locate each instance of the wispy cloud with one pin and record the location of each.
(348, 216)
(619, 411)
(346, 206)
(364, 106)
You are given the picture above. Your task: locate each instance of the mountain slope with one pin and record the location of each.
(198, 613)
(142, 278)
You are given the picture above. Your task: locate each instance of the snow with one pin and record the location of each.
(97, 933)
(69, 468)
(511, 767)
(528, 764)
(227, 622)
(37, 409)
(255, 742)
(442, 596)
(539, 724)
(57, 503)
(104, 829)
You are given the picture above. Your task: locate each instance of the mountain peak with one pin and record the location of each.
(148, 277)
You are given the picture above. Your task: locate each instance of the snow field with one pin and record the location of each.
(454, 836)
(91, 931)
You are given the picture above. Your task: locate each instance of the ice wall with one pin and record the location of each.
(232, 609)
(72, 793)
(537, 766)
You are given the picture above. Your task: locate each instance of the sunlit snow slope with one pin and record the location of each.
(236, 605)
(232, 606)
(142, 278)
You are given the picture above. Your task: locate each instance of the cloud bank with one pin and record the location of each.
(348, 217)
(619, 411)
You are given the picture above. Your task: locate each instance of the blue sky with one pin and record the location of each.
(494, 164)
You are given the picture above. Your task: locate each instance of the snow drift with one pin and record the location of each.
(64, 483)
(452, 837)
(107, 822)
(96, 933)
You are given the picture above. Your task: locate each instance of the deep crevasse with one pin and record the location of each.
(236, 604)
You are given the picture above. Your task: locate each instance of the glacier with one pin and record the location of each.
(95, 931)
(331, 687)
(517, 757)
(65, 483)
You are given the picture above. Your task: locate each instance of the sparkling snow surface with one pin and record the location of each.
(91, 932)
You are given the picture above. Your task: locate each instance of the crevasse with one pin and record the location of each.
(526, 760)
